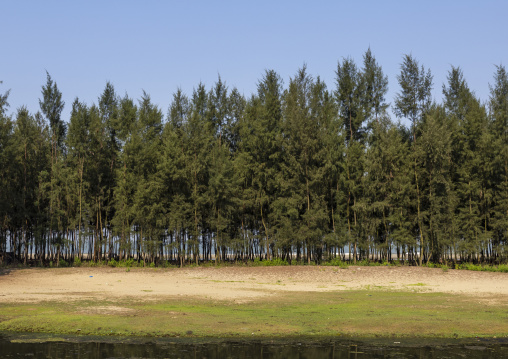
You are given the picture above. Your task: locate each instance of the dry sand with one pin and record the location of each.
(236, 283)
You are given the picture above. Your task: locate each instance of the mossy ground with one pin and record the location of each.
(367, 313)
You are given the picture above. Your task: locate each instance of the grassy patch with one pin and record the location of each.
(359, 313)
(502, 268)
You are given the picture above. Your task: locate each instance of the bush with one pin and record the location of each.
(269, 263)
(336, 262)
(503, 268)
(123, 263)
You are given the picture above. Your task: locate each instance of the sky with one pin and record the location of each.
(160, 46)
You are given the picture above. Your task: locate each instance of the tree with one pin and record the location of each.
(301, 210)
(414, 99)
(267, 148)
(498, 104)
(467, 122)
(6, 174)
(125, 174)
(3, 102)
(375, 87)
(199, 143)
(51, 106)
(29, 161)
(147, 208)
(375, 201)
(349, 101)
(413, 102)
(173, 174)
(434, 154)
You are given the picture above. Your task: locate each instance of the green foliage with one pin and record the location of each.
(269, 263)
(122, 264)
(293, 171)
(503, 268)
(336, 262)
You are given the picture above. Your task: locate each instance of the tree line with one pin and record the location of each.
(297, 173)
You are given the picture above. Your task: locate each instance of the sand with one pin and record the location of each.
(236, 283)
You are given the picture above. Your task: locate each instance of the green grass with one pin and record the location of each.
(372, 313)
(336, 262)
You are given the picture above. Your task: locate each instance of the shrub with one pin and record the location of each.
(269, 263)
(336, 262)
(503, 268)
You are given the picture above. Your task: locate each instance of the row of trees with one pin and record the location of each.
(297, 173)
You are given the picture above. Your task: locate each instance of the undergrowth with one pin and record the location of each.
(335, 262)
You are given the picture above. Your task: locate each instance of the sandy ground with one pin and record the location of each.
(236, 283)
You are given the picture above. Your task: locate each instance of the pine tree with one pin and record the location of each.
(323, 109)
(349, 99)
(467, 122)
(6, 161)
(413, 102)
(173, 174)
(498, 104)
(51, 106)
(126, 176)
(199, 145)
(375, 87)
(147, 208)
(29, 161)
(434, 154)
(267, 150)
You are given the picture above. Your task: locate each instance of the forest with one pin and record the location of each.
(302, 173)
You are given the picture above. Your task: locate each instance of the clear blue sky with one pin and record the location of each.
(158, 46)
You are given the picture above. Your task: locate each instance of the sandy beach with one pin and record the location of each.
(236, 283)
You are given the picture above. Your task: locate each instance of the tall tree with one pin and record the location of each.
(173, 173)
(3, 102)
(375, 201)
(498, 104)
(78, 150)
(51, 106)
(147, 208)
(375, 87)
(126, 178)
(268, 151)
(467, 121)
(6, 174)
(413, 102)
(349, 99)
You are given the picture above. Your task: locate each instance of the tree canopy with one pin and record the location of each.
(296, 173)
